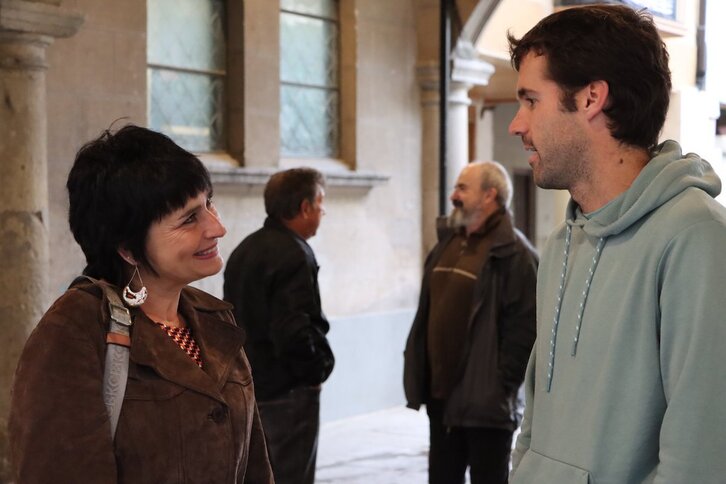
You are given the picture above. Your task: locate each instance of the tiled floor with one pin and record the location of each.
(385, 447)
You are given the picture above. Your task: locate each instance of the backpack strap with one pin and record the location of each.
(118, 341)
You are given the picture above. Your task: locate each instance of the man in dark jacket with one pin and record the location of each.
(272, 280)
(474, 329)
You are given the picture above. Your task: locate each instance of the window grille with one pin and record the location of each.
(186, 74)
(309, 78)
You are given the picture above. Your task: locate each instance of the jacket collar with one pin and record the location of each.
(273, 223)
(219, 342)
(502, 233)
(503, 236)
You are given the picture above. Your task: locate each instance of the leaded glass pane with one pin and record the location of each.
(309, 52)
(309, 98)
(186, 50)
(188, 108)
(187, 33)
(319, 8)
(309, 121)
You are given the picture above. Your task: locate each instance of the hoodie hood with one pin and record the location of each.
(665, 176)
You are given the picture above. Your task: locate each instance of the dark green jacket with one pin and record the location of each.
(501, 332)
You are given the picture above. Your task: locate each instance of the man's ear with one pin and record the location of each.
(492, 193)
(305, 208)
(126, 255)
(596, 98)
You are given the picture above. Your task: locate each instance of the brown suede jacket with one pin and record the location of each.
(178, 423)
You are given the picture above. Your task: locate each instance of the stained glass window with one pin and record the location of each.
(186, 50)
(309, 85)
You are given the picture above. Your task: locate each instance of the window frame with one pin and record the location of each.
(253, 101)
(219, 145)
(336, 149)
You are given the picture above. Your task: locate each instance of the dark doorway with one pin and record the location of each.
(524, 202)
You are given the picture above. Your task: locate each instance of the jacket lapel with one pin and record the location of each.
(503, 245)
(218, 340)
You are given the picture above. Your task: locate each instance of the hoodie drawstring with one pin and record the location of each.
(558, 303)
(586, 292)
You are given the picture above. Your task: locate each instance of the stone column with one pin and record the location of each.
(428, 78)
(26, 30)
(457, 148)
(465, 73)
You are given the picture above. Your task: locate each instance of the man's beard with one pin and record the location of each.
(458, 218)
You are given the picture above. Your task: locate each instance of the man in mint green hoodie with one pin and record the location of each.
(624, 384)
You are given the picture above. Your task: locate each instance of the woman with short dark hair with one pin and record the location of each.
(141, 209)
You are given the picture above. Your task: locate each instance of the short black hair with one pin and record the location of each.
(612, 43)
(286, 190)
(119, 185)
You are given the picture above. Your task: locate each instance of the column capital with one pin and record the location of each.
(25, 17)
(459, 93)
(427, 74)
(468, 67)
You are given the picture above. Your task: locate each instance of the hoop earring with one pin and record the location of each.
(137, 298)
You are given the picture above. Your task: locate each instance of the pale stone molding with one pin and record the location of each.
(38, 18)
(23, 51)
(427, 74)
(259, 176)
(459, 94)
(468, 66)
(475, 72)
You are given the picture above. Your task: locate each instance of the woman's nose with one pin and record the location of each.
(215, 228)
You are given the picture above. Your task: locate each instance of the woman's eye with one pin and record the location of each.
(211, 207)
(190, 219)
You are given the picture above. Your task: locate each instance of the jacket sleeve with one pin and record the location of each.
(258, 467)
(58, 426)
(517, 321)
(415, 371)
(692, 277)
(297, 326)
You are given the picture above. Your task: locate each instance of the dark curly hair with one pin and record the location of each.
(119, 185)
(612, 43)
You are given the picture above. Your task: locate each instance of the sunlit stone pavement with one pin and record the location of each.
(385, 447)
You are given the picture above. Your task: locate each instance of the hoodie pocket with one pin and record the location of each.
(540, 469)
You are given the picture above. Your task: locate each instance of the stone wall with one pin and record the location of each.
(95, 80)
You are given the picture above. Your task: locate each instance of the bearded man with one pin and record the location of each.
(474, 329)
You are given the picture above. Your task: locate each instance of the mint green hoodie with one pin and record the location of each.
(625, 386)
